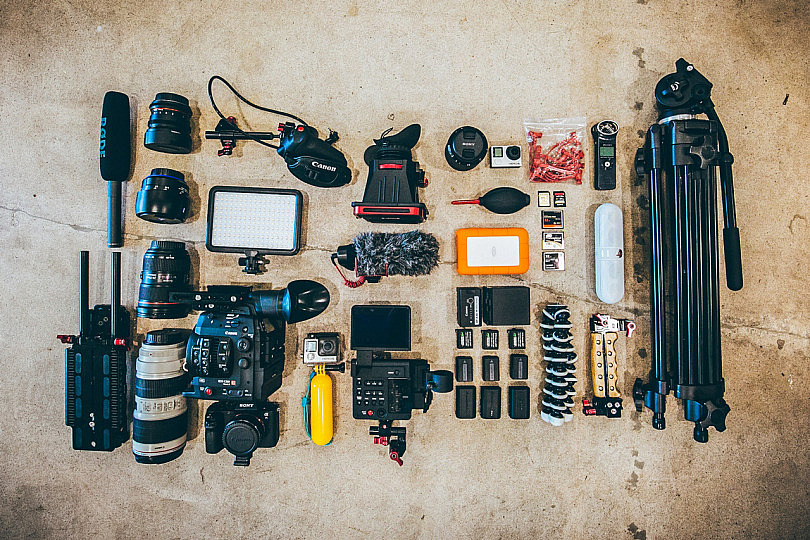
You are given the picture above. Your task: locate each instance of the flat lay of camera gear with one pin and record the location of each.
(479, 463)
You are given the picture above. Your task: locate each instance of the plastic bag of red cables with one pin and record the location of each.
(555, 149)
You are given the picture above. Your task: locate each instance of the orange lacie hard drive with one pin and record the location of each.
(492, 251)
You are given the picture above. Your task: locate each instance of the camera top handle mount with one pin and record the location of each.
(300, 300)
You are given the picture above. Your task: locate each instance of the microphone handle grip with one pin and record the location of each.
(115, 238)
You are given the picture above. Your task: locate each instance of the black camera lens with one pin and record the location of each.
(163, 197)
(465, 148)
(166, 269)
(513, 152)
(169, 127)
(159, 421)
(328, 347)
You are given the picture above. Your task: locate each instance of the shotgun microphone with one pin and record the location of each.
(115, 151)
(375, 254)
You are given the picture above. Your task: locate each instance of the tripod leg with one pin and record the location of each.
(679, 269)
(653, 394)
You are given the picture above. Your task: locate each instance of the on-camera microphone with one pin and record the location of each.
(375, 254)
(115, 151)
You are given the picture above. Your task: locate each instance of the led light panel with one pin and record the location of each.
(254, 219)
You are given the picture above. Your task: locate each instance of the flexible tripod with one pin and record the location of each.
(680, 155)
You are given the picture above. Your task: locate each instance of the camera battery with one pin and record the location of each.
(489, 339)
(491, 402)
(517, 338)
(519, 366)
(490, 368)
(464, 338)
(464, 369)
(519, 404)
(465, 402)
(468, 305)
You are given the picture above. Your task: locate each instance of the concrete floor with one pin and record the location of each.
(359, 68)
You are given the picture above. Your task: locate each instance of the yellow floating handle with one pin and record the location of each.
(320, 418)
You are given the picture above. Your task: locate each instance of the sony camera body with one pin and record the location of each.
(241, 428)
(322, 348)
(234, 355)
(311, 159)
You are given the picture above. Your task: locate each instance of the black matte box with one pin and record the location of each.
(503, 306)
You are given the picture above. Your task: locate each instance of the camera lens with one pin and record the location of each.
(166, 269)
(513, 152)
(159, 422)
(169, 125)
(327, 347)
(163, 197)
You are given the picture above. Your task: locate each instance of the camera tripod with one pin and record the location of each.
(681, 154)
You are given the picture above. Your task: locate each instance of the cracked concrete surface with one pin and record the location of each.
(361, 67)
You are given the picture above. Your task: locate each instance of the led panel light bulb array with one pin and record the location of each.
(255, 222)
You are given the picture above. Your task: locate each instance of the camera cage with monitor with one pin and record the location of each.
(387, 389)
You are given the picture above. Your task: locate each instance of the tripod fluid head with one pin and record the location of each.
(686, 91)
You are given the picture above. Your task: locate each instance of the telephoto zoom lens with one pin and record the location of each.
(160, 420)
(163, 197)
(166, 269)
(169, 127)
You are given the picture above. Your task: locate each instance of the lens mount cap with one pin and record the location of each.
(241, 437)
(466, 148)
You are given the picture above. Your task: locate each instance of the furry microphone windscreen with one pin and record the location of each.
(413, 253)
